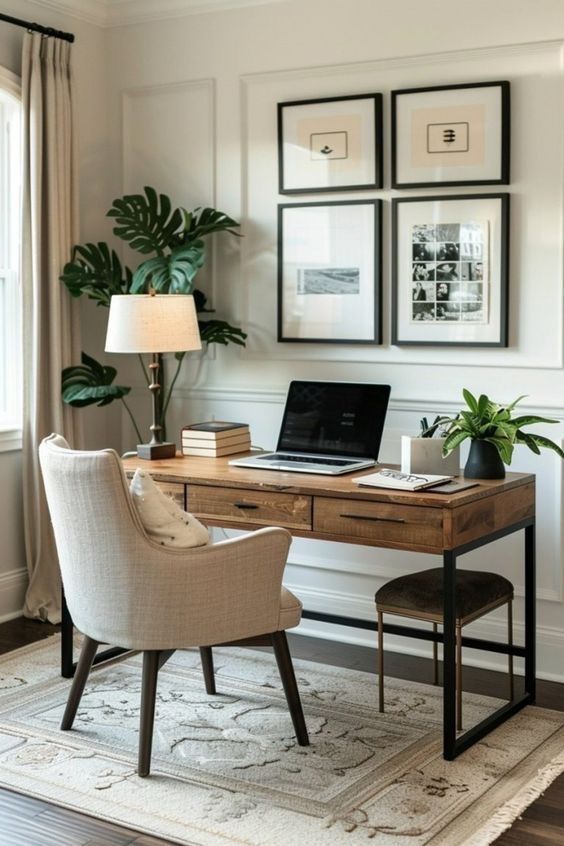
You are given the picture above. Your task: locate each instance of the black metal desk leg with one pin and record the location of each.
(530, 611)
(67, 668)
(449, 656)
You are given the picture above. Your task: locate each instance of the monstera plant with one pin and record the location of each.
(173, 241)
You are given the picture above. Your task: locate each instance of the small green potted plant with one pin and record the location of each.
(494, 432)
(424, 454)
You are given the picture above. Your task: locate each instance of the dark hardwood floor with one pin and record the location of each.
(29, 822)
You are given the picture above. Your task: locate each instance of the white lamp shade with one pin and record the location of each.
(152, 323)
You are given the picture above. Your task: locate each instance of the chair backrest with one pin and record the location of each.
(122, 588)
(94, 522)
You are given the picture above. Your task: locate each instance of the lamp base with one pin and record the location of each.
(150, 452)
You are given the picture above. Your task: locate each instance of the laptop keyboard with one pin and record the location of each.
(332, 462)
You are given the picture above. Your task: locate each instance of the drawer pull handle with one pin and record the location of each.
(247, 505)
(374, 519)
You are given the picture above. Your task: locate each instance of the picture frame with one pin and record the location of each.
(329, 272)
(451, 135)
(330, 144)
(450, 270)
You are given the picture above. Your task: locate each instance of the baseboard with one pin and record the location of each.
(13, 585)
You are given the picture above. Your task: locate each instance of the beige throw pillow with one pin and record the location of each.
(163, 520)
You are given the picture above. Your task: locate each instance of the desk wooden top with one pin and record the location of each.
(217, 472)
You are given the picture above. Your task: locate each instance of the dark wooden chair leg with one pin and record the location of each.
(286, 670)
(151, 659)
(87, 655)
(206, 656)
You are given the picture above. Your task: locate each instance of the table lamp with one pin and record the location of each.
(153, 323)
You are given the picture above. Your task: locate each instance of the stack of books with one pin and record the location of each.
(215, 438)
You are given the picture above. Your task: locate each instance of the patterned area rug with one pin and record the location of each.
(227, 770)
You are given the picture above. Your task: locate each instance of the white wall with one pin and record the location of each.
(189, 106)
(90, 74)
(193, 109)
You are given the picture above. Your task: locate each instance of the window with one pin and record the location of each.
(10, 293)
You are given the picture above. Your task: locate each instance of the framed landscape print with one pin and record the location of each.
(450, 270)
(332, 144)
(329, 286)
(451, 135)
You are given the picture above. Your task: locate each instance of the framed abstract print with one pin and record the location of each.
(331, 144)
(450, 270)
(329, 286)
(451, 135)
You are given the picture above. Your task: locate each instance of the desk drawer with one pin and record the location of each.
(378, 521)
(260, 507)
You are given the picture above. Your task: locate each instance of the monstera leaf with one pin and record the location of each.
(171, 274)
(221, 332)
(203, 222)
(90, 384)
(146, 222)
(96, 272)
(215, 331)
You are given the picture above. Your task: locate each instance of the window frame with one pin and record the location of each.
(10, 274)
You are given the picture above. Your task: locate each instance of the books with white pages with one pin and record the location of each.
(215, 430)
(396, 480)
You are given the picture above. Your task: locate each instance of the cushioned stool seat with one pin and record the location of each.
(423, 592)
(420, 596)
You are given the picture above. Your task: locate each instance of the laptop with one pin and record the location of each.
(327, 427)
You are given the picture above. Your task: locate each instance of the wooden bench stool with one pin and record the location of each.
(420, 596)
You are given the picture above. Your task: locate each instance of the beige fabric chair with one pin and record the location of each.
(123, 588)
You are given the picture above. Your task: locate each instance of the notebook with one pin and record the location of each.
(398, 481)
(327, 427)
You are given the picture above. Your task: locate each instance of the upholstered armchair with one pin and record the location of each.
(124, 589)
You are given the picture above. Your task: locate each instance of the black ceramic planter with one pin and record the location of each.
(484, 462)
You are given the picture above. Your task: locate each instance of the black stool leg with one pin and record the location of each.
(206, 657)
(380, 662)
(87, 654)
(286, 670)
(435, 657)
(148, 696)
(510, 642)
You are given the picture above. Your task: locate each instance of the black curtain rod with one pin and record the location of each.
(35, 27)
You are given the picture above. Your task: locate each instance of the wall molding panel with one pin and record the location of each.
(161, 148)
(410, 405)
(231, 158)
(144, 162)
(535, 204)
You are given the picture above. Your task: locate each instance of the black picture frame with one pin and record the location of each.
(498, 130)
(462, 291)
(373, 158)
(363, 281)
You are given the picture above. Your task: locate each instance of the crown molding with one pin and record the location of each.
(95, 12)
(109, 13)
(123, 12)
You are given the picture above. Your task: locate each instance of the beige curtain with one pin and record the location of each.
(50, 318)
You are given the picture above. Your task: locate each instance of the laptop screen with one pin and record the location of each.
(334, 418)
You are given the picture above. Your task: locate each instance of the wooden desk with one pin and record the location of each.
(337, 509)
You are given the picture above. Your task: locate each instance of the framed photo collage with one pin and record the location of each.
(449, 252)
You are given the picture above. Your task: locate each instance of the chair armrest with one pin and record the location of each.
(174, 598)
